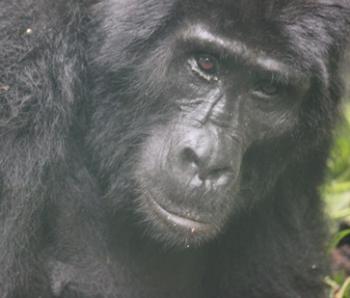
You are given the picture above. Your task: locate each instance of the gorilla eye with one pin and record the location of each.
(267, 89)
(207, 64)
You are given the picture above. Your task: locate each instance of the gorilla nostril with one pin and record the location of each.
(188, 156)
(218, 176)
(217, 173)
(205, 168)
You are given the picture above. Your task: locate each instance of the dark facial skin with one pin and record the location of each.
(226, 96)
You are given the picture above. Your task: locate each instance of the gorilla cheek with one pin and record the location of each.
(187, 179)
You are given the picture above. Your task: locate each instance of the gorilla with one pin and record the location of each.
(166, 148)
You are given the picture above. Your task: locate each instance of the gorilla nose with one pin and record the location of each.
(206, 168)
(205, 159)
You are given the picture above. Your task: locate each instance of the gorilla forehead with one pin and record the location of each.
(294, 25)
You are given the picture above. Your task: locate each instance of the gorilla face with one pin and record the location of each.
(226, 96)
(206, 96)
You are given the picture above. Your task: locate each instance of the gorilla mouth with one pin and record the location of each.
(181, 221)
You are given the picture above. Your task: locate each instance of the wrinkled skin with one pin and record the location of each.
(166, 148)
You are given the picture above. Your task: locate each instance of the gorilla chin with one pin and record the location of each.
(176, 228)
(190, 226)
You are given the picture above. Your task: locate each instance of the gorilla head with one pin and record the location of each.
(166, 148)
(197, 114)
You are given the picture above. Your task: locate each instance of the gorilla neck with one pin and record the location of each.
(145, 269)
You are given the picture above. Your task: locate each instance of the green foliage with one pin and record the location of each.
(338, 237)
(337, 196)
(337, 188)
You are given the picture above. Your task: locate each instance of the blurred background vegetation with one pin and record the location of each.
(337, 188)
(336, 193)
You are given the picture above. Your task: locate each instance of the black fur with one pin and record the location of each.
(82, 85)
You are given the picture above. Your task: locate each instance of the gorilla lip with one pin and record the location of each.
(180, 221)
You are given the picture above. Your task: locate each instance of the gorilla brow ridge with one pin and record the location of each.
(201, 36)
